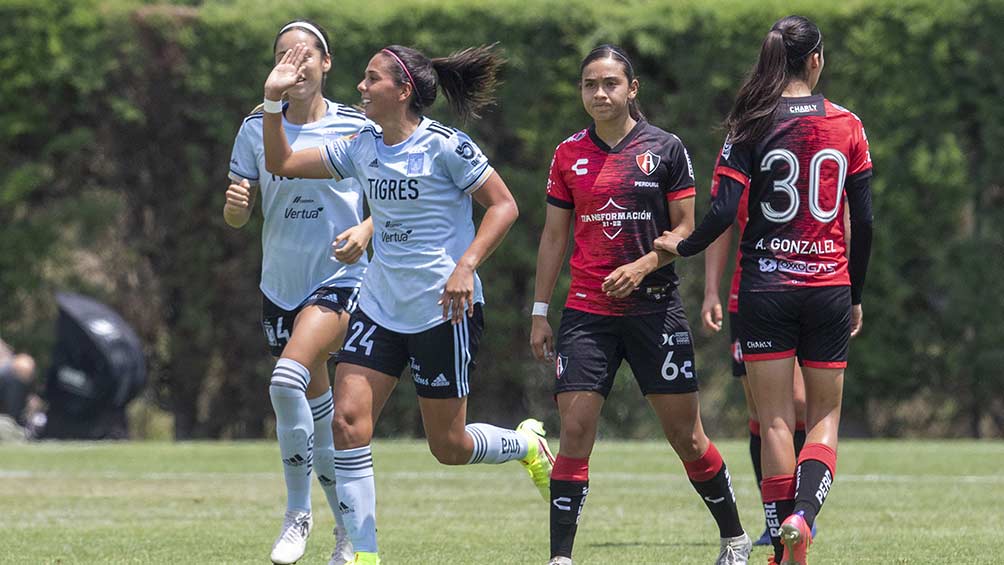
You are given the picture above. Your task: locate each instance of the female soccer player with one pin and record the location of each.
(796, 154)
(421, 301)
(308, 294)
(711, 315)
(621, 181)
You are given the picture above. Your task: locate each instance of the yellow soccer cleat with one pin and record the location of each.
(538, 460)
(365, 558)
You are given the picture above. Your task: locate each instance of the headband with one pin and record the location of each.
(309, 27)
(406, 71)
(819, 39)
(614, 52)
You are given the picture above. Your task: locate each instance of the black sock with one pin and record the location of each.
(721, 501)
(755, 443)
(776, 512)
(813, 480)
(799, 438)
(567, 500)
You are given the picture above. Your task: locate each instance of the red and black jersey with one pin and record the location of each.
(795, 178)
(620, 200)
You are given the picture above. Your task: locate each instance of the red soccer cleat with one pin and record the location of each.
(796, 537)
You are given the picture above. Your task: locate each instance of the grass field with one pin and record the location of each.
(893, 502)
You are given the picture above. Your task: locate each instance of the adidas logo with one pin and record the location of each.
(440, 381)
(295, 461)
(374, 163)
(325, 482)
(344, 509)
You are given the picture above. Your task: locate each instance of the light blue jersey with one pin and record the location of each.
(302, 216)
(419, 193)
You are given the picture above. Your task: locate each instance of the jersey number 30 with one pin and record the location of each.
(787, 184)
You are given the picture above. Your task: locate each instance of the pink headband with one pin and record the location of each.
(400, 62)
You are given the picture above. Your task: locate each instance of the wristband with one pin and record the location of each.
(272, 106)
(540, 309)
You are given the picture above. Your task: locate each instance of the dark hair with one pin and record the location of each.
(614, 52)
(317, 42)
(782, 57)
(467, 77)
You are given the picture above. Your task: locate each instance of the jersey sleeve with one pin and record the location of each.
(466, 164)
(337, 156)
(735, 162)
(558, 193)
(680, 183)
(860, 157)
(243, 160)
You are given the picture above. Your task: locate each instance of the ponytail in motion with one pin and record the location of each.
(468, 77)
(782, 58)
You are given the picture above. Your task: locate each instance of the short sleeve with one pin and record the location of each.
(337, 156)
(680, 180)
(465, 163)
(714, 177)
(558, 193)
(735, 162)
(243, 158)
(860, 157)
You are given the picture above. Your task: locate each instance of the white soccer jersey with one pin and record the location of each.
(302, 216)
(419, 196)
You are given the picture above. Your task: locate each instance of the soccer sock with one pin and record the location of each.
(799, 437)
(294, 428)
(495, 445)
(322, 408)
(711, 480)
(817, 465)
(778, 493)
(755, 445)
(357, 496)
(569, 487)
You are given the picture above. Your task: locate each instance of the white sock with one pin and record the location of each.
(323, 407)
(495, 445)
(295, 429)
(357, 496)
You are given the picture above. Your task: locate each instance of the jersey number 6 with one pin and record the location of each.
(787, 184)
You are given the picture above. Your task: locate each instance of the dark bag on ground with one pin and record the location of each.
(97, 368)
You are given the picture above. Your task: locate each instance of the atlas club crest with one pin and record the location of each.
(648, 162)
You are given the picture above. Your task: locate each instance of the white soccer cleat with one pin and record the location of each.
(292, 540)
(342, 554)
(735, 551)
(560, 561)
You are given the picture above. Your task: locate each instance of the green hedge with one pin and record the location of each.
(118, 118)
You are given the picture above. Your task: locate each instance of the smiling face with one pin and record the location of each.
(606, 91)
(382, 96)
(316, 63)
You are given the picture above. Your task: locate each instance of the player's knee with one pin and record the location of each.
(448, 453)
(349, 429)
(686, 441)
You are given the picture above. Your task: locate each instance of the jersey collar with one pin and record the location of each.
(620, 145)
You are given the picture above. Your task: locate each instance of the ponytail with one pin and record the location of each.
(468, 77)
(782, 58)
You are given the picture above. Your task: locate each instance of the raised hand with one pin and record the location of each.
(287, 72)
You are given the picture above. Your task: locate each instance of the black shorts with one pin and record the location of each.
(738, 366)
(813, 324)
(441, 358)
(278, 323)
(658, 347)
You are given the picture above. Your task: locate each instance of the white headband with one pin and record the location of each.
(309, 27)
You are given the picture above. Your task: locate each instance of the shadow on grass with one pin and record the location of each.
(612, 544)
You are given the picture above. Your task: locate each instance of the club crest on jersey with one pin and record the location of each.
(416, 163)
(648, 162)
